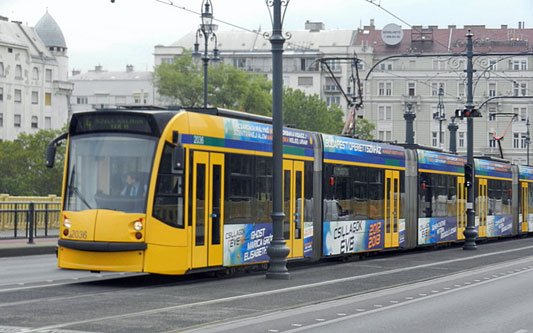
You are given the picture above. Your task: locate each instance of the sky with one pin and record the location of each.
(113, 35)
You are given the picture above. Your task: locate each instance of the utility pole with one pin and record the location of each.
(470, 230)
(440, 116)
(278, 250)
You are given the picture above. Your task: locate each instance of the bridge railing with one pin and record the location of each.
(29, 219)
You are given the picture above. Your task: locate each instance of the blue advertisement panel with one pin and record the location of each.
(526, 172)
(237, 131)
(350, 150)
(246, 243)
(352, 236)
(434, 161)
(493, 169)
(433, 230)
(499, 225)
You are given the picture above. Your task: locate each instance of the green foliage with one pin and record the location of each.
(231, 88)
(228, 87)
(310, 112)
(181, 81)
(364, 129)
(22, 165)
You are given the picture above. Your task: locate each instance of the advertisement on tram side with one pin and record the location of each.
(499, 225)
(352, 236)
(248, 243)
(433, 230)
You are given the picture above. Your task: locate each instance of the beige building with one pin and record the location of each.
(34, 91)
(399, 82)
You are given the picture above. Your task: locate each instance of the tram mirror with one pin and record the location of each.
(178, 158)
(50, 155)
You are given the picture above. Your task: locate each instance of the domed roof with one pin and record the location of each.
(49, 31)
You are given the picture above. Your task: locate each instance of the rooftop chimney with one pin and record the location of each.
(129, 68)
(76, 72)
(98, 68)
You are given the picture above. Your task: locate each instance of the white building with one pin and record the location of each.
(34, 91)
(400, 82)
(99, 89)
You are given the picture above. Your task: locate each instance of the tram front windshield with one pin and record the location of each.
(109, 171)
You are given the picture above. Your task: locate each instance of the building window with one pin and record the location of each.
(239, 63)
(330, 100)
(305, 80)
(17, 120)
(84, 100)
(460, 89)
(434, 139)
(34, 97)
(492, 113)
(521, 112)
(385, 66)
(385, 135)
(18, 72)
(516, 140)
(493, 63)
(47, 123)
(523, 140)
(35, 73)
(1, 94)
(308, 65)
(435, 86)
(384, 88)
(411, 88)
(48, 75)
(439, 64)
(492, 140)
(492, 89)
(1, 120)
(523, 65)
(48, 99)
(34, 122)
(2, 69)
(333, 64)
(461, 139)
(18, 95)
(385, 112)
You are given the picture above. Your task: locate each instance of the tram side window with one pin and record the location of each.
(353, 193)
(239, 196)
(437, 195)
(506, 197)
(263, 190)
(308, 192)
(499, 197)
(168, 200)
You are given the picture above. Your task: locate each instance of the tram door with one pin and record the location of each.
(392, 208)
(293, 206)
(482, 207)
(207, 209)
(525, 205)
(461, 207)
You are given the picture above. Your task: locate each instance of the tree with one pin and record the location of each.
(181, 81)
(22, 165)
(364, 129)
(228, 87)
(310, 112)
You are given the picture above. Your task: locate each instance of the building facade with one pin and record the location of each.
(426, 85)
(99, 89)
(34, 91)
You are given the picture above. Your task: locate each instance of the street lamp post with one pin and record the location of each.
(207, 32)
(440, 116)
(470, 230)
(409, 117)
(278, 250)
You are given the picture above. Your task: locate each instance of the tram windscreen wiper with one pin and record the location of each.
(73, 190)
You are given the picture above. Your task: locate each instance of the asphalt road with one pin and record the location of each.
(152, 303)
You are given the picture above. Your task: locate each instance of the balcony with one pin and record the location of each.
(415, 99)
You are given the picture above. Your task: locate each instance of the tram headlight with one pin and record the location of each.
(66, 223)
(138, 225)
